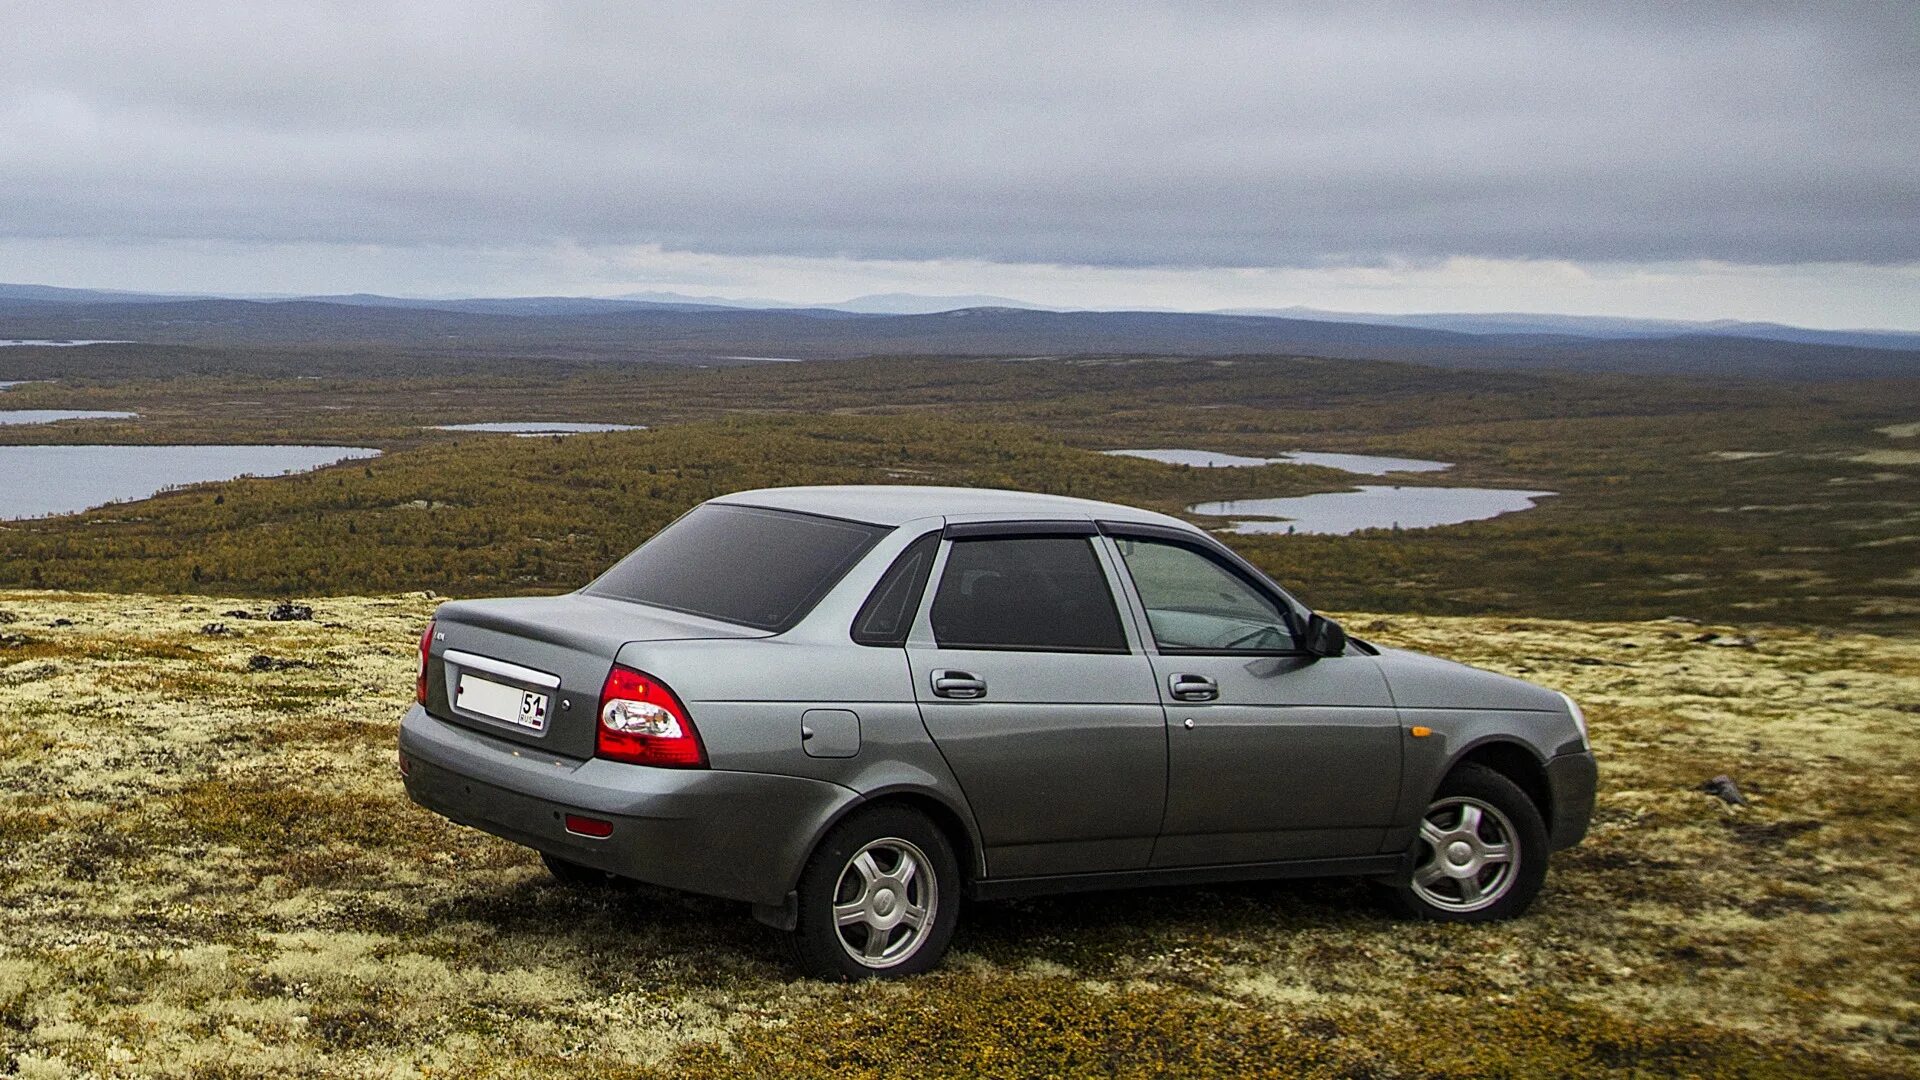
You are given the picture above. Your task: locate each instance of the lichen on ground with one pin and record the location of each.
(208, 868)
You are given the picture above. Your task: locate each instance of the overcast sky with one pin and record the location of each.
(1679, 160)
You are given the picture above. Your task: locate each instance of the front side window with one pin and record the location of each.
(1195, 604)
(1043, 593)
(740, 564)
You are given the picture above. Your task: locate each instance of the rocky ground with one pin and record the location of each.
(208, 868)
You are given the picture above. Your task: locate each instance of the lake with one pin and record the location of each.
(528, 429)
(1373, 506)
(52, 343)
(1364, 464)
(48, 416)
(36, 481)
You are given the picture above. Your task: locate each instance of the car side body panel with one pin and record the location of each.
(1297, 757)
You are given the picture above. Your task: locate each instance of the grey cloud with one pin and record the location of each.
(1086, 134)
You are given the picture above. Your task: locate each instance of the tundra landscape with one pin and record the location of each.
(208, 866)
(209, 869)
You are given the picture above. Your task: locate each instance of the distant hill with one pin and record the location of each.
(596, 330)
(1600, 326)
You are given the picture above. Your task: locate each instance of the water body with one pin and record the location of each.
(55, 343)
(527, 429)
(48, 416)
(1373, 506)
(36, 481)
(1363, 464)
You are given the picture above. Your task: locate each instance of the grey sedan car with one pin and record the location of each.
(856, 707)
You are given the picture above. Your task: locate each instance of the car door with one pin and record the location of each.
(1271, 754)
(1035, 691)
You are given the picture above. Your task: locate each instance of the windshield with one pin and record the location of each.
(740, 564)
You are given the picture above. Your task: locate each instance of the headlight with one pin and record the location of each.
(1579, 719)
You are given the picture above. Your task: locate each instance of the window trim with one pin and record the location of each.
(899, 638)
(1221, 556)
(1016, 530)
(1012, 530)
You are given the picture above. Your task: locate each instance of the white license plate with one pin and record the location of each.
(527, 708)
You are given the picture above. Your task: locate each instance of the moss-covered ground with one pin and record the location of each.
(208, 868)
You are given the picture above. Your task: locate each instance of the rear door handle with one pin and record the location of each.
(948, 683)
(1192, 688)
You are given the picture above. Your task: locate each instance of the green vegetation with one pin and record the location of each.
(207, 867)
(210, 869)
(1722, 500)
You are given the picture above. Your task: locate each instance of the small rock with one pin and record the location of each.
(8, 617)
(1723, 788)
(1682, 619)
(263, 662)
(1589, 661)
(1735, 641)
(286, 612)
(61, 622)
(238, 613)
(215, 629)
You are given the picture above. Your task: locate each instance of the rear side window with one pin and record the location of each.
(1042, 593)
(888, 613)
(740, 564)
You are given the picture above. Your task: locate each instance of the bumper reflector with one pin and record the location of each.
(586, 826)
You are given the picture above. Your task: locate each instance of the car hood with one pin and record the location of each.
(1419, 681)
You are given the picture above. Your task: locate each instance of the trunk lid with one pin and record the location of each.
(559, 647)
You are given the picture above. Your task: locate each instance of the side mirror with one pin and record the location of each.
(1323, 637)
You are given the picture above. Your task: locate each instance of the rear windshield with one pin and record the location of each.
(740, 564)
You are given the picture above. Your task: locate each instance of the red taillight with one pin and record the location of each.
(641, 722)
(420, 683)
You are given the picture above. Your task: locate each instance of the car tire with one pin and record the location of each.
(572, 873)
(1481, 855)
(860, 892)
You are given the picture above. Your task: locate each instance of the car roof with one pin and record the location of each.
(897, 504)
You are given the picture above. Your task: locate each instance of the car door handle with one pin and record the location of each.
(1192, 688)
(958, 684)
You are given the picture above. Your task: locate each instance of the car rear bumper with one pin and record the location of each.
(1572, 778)
(742, 836)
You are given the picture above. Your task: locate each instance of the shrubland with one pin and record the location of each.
(208, 868)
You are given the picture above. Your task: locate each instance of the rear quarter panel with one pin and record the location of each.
(747, 698)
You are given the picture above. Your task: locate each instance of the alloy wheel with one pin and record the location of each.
(1470, 858)
(885, 902)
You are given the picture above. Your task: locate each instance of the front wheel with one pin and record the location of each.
(1481, 854)
(879, 898)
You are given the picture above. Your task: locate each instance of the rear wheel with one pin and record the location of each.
(1481, 854)
(572, 873)
(879, 898)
